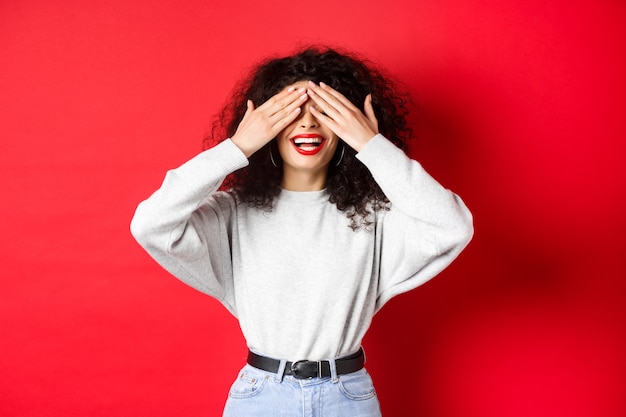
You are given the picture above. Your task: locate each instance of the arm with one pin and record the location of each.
(185, 224)
(185, 229)
(427, 226)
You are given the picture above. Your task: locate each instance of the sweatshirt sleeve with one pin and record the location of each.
(426, 227)
(185, 220)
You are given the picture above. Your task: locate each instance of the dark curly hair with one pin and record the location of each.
(350, 184)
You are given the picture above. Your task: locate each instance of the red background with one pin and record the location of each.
(522, 115)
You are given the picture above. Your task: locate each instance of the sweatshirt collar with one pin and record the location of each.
(303, 197)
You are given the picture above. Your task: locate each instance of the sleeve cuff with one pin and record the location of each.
(380, 151)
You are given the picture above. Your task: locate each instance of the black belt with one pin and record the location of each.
(309, 369)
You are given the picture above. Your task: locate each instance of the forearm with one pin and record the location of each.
(414, 192)
(161, 219)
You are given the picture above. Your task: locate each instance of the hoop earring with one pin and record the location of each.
(272, 159)
(343, 150)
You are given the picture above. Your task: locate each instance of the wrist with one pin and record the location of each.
(246, 150)
(360, 143)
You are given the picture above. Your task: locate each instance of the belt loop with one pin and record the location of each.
(333, 371)
(281, 370)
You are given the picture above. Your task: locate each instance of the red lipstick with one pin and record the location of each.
(308, 143)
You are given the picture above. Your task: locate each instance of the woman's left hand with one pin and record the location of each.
(342, 117)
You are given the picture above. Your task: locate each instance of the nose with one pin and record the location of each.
(307, 120)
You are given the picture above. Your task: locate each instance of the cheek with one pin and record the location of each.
(281, 137)
(283, 144)
(333, 144)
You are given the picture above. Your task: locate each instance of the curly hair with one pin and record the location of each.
(350, 185)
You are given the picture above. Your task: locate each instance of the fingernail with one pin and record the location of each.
(290, 89)
(323, 84)
(302, 90)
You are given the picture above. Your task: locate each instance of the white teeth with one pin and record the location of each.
(299, 141)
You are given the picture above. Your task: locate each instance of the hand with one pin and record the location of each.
(342, 117)
(260, 125)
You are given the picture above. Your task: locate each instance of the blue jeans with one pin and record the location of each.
(260, 393)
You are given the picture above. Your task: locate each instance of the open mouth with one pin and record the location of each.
(308, 144)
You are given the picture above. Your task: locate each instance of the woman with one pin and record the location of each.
(320, 220)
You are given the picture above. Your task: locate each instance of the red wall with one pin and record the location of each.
(522, 115)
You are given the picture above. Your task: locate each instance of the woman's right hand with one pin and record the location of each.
(262, 124)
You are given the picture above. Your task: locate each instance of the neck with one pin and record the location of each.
(303, 180)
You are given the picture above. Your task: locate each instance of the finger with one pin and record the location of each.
(323, 105)
(281, 123)
(286, 104)
(369, 110)
(324, 97)
(289, 109)
(325, 119)
(336, 100)
(337, 95)
(281, 100)
(249, 110)
(249, 107)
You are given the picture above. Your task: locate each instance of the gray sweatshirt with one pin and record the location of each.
(301, 282)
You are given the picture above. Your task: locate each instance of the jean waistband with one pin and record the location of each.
(306, 369)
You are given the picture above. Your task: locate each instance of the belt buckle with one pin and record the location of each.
(305, 373)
